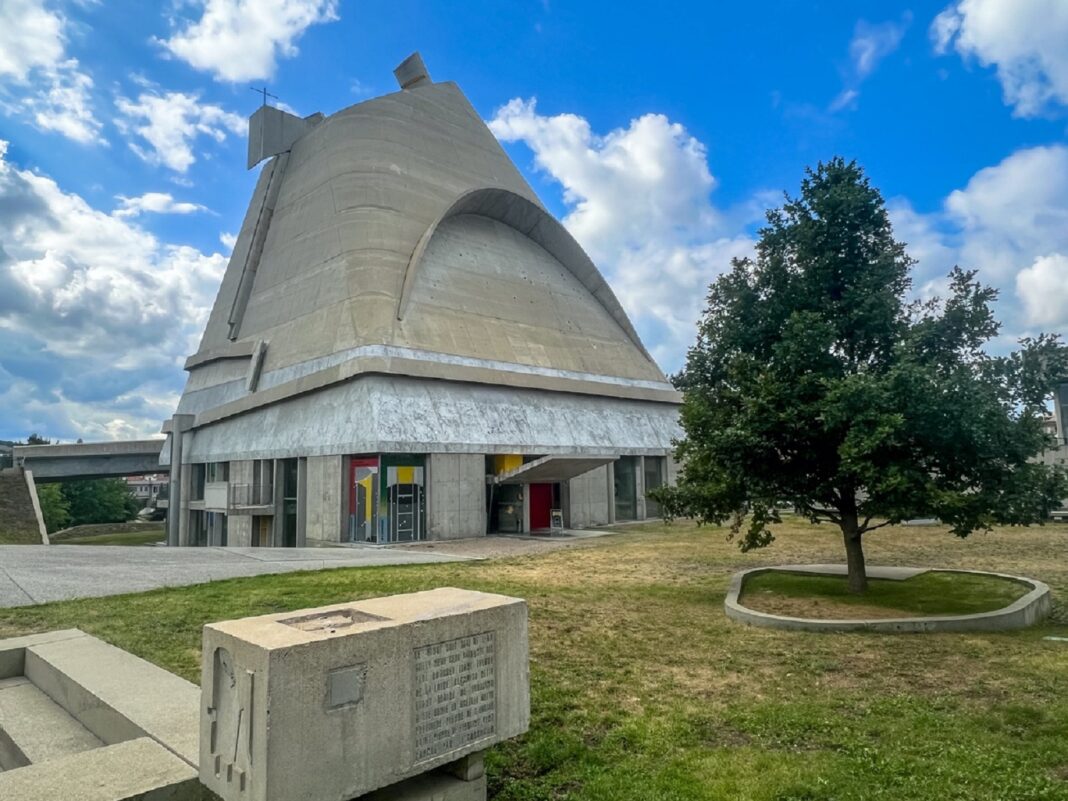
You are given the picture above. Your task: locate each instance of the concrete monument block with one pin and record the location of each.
(332, 703)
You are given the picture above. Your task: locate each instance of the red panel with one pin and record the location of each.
(541, 502)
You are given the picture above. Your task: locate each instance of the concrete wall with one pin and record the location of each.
(239, 527)
(325, 506)
(589, 497)
(456, 496)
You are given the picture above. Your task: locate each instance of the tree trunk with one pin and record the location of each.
(858, 576)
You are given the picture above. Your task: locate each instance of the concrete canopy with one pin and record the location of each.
(549, 469)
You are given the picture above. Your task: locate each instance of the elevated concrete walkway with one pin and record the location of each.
(91, 459)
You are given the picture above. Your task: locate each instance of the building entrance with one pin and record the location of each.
(541, 505)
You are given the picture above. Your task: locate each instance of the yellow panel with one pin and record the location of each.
(367, 482)
(405, 475)
(502, 463)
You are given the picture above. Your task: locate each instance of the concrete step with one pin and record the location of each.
(34, 728)
(116, 695)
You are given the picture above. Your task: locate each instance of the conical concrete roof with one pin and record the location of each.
(397, 237)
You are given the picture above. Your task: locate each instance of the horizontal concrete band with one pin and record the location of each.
(1025, 611)
(385, 361)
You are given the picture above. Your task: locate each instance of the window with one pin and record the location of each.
(218, 471)
(626, 488)
(654, 477)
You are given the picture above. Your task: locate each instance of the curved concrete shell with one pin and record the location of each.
(397, 286)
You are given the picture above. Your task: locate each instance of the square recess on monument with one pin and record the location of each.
(328, 704)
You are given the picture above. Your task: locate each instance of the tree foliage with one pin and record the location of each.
(814, 381)
(105, 500)
(54, 506)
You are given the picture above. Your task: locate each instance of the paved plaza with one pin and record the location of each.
(34, 574)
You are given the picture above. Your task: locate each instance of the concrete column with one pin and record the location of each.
(302, 502)
(277, 525)
(526, 508)
(180, 423)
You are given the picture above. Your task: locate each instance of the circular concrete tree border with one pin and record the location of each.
(1021, 613)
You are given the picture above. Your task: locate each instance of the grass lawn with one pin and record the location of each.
(643, 690)
(801, 595)
(119, 538)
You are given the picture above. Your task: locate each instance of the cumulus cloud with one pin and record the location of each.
(240, 40)
(1024, 40)
(169, 123)
(39, 81)
(30, 36)
(64, 104)
(154, 202)
(639, 203)
(1010, 221)
(1043, 287)
(96, 314)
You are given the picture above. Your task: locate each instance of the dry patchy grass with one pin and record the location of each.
(642, 689)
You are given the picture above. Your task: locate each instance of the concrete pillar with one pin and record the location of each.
(278, 524)
(180, 423)
(302, 502)
(526, 508)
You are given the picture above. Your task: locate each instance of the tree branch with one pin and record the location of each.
(864, 529)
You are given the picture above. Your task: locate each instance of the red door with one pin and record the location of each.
(541, 502)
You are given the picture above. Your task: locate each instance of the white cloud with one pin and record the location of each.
(154, 202)
(241, 40)
(64, 104)
(170, 123)
(43, 83)
(31, 36)
(871, 43)
(1043, 287)
(96, 314)
(638, 200)
(1025, 40)
(228, 240)
(1010, 221)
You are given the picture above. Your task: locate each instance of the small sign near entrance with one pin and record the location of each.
(556, 519)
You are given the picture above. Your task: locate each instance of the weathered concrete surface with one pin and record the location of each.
(1031, 608)
(456, 496)
(135, 770)
(82, 719)
(433, 786)
(116, 695)
(400, 241)
(328, 704)
(34, 728)
(33, 574)
(19, 519)
(90, 459)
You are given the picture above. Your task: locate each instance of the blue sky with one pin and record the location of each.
(658, 134)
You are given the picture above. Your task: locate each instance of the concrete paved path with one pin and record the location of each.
(34, 574)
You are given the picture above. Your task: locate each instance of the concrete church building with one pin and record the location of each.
(406, 345)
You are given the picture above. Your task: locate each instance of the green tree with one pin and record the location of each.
(54, 506)
(37, 439)
(814, 381)
(106, 500)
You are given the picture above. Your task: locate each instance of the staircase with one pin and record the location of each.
(18, 524)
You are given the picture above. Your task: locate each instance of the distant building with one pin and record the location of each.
(148, 488)
(406, 345)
